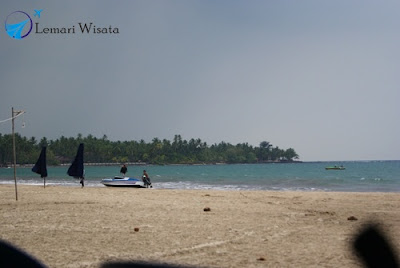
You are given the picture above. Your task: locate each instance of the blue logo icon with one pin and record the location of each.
(19, 24)
(37, 12)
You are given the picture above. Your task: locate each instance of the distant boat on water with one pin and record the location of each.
(335, 168)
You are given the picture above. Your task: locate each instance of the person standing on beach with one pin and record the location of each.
(124, 169)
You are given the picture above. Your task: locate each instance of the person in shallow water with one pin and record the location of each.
(146, 179)
(124, 169)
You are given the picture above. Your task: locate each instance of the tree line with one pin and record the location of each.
(102, 150)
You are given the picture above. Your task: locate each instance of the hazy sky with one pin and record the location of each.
(321, 77)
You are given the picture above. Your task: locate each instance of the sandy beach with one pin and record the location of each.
(87, 227)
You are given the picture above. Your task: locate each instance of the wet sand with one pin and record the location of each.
(87, 227)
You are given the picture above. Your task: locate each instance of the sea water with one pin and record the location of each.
(359, 176)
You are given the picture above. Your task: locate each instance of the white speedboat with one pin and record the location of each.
(123, 182)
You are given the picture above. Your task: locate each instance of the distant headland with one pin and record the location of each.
(102, 151)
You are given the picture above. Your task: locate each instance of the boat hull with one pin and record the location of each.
(123, 182)
(335, 168)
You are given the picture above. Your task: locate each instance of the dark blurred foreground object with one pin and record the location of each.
(374, 248)
(11, 256)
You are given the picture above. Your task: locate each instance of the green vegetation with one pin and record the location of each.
(178, 151)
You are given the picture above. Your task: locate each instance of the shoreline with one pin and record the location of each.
(86, 227)
(203, 164)
(90, 184)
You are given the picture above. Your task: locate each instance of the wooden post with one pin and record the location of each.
(15, 157)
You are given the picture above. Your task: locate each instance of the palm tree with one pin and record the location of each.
(264, 150)
(290, 153)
